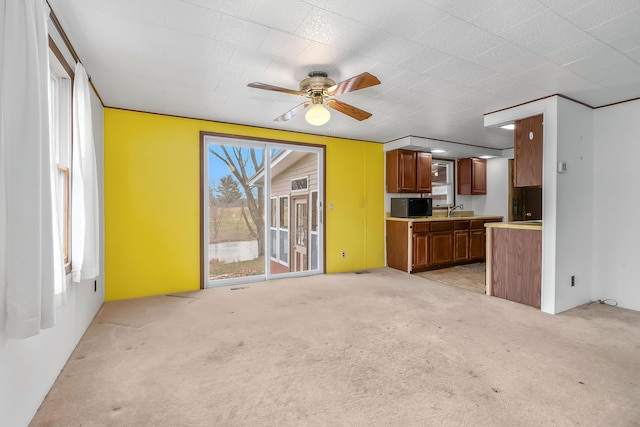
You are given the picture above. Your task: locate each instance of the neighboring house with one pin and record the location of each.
(294, 209)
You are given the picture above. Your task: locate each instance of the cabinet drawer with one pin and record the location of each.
(477, 223)
(420, 227)
(442, 226)
(460, 225)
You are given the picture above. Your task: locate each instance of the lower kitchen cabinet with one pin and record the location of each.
(476, 244)
(420, 250)
(460, 241)
(460, 245)
(441, 243)
(427, 245)
(440, 248)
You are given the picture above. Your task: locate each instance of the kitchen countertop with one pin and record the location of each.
(444, 218)
(521, 225)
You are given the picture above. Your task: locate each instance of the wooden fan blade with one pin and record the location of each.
(358, 82)
(265, 86)
(295, 110)
(347, 109)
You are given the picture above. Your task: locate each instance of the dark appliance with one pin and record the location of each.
(411, 207)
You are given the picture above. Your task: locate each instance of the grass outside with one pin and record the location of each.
(232, 228)
(220, 270)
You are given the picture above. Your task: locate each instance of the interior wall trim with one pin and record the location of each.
(567, 98)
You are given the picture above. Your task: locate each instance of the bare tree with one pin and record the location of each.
(243, 162)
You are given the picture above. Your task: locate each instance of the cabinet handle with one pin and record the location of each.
(528, 214)
(531, 136)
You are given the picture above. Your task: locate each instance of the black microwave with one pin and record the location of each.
(411, 207)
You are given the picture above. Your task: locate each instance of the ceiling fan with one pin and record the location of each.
(320, 90)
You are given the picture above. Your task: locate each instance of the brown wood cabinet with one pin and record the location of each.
(408, 171)
(440, 248)
(460, 241)
(441, 243)
(423, 172)
(476, 244)
(516, 265)
(528, 139)
(420, 245)
(477, 240)
(420, 250)
(472, 176)
(397, 246)
(426, 245)
(460, 246)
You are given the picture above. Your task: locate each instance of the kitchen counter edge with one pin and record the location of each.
(453, 218)
(520, 225)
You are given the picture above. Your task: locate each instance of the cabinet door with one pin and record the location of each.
(441, 248)
(398, 245)
(423, 172)
(401, 171)
(420, 250)
(472, 176)
(461, 245)
(528, 152)
(476, 244)
(464, 176)
(479, 176)
(407, 170)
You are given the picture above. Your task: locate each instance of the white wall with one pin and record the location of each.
(616, 201)
(574, 205)
(496, 201)
(29, 367)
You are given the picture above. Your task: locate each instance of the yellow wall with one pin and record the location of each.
(152, 207)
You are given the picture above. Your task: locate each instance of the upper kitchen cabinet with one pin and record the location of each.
(472, 176)
(408, 171)
(528, 152)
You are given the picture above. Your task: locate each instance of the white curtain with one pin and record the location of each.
(29, 243)
(84, 200)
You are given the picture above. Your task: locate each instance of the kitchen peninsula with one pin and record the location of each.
(514, 261)
(419, 244)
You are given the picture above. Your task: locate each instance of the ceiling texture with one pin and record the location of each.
(442, 63)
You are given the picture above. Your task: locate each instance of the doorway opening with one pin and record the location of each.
(262, 211)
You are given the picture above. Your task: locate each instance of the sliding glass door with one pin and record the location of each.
(262, 210)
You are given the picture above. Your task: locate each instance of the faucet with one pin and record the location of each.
(450, 209)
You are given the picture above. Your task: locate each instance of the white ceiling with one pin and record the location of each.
(442, 63)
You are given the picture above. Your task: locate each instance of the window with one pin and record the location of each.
(300, 184)
(442, 188)
(60, 113)
(284, 212)
(283, 245)
(279, 229)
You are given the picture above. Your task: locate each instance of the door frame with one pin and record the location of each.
(269, 144)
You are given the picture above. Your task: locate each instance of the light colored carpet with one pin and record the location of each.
(469, 276)
(384, 348)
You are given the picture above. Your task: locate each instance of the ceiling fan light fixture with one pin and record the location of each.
(317, 115)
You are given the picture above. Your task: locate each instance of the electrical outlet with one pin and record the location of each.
(573, 280)
(344, 254)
